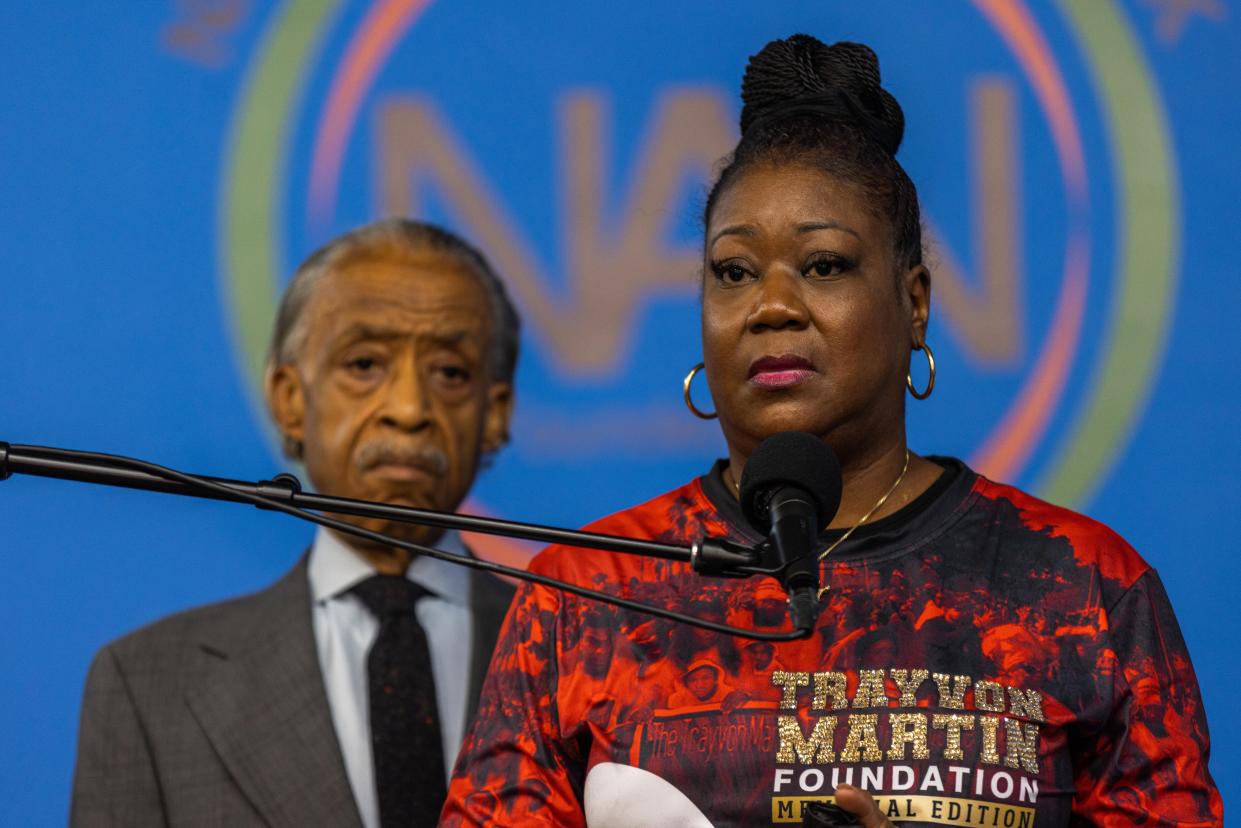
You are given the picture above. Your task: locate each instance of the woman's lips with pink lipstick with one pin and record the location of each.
(782, 371)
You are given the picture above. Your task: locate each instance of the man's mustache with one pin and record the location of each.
(390, 452)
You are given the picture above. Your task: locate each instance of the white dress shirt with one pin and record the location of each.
(345, 630)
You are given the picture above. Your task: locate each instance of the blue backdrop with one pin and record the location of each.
(162, 169)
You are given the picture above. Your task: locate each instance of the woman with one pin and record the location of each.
(981, 657)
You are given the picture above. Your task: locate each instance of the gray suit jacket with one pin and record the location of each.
(218, 716)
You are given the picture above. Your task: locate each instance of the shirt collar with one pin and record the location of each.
(334, 569)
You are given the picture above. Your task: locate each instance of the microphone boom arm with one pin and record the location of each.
(708, 555)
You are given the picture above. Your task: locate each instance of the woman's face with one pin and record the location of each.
(807, 322)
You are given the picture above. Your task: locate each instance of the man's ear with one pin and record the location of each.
(916, 286)
(286, 402)
(498, 417)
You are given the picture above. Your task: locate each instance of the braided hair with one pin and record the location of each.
(806, 102)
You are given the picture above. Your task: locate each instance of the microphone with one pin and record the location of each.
(790, 490)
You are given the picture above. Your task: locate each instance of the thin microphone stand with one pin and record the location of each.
(706, 556)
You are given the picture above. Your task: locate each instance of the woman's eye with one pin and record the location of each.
(730, 273)
(826, 267)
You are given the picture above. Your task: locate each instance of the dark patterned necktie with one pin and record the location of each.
(405, 726)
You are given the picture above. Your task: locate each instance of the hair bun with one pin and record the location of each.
(802, 75)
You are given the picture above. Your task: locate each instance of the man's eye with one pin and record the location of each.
(362, 364)
(454, 373)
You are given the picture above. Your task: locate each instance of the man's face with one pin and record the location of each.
(648, 640)
(703, 682)
(760, 655)
(391, 393)
(596, 652)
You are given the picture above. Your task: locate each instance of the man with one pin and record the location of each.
(596, 644)
(339, 695)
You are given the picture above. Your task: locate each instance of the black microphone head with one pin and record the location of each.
(790, 458)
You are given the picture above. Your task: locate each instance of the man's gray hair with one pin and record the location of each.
(388, 239)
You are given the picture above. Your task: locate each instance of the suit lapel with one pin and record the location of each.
(265, 710)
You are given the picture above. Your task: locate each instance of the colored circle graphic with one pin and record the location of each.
(1076, 457)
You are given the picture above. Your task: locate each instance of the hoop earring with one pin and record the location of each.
(930, 383)
(689, 401)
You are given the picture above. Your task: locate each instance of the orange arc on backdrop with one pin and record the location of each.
(1009, 446)
(366, 54)
(1017, 27)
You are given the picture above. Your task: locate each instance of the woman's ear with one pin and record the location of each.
(498, 417)
(916, 288)
(286, 402)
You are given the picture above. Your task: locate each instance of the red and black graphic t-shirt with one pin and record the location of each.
(982, 658)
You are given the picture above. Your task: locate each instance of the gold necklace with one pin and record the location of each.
(878, 505)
